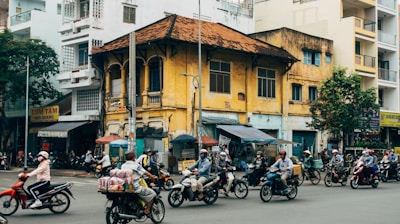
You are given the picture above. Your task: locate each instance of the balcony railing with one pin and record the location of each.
(154, 98)
(365, 24)
(388, 3)
(365, 60)
(387, 75)
(387, 38)
(20, 18)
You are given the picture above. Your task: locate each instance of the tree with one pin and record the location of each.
(342, 106)
(43, 64)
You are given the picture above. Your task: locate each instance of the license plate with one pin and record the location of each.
(108, 203)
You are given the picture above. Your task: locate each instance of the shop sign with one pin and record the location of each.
(388, 119)
(44, 114)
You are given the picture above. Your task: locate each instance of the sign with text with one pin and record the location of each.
(44, 114)
(389, 119)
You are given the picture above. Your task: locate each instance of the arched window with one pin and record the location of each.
(115, 78)
(156, 75)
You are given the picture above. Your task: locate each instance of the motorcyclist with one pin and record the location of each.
(105, 162)
(202, 172)
(260, 166)
(375, 162)
(285, 166)
(308, 161)
(337, 163)
(393, 159)
(223, 167)
(145, 193)
(148, 162)
(369, 162)
(42, 173)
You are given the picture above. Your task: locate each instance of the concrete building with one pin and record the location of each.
(3, 15)
(365, 36)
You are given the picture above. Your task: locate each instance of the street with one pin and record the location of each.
(314, 204)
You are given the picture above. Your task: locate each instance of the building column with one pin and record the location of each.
(123, 87)
(108, 89)
(146, 85)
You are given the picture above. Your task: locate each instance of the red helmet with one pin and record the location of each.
(282, 152)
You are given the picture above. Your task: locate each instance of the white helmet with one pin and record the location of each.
(203, 151)
(335, 151)
(222, 155)
(44, 154)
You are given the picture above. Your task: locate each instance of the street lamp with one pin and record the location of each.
(199, 81)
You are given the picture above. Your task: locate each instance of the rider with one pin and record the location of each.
(260, 166)
(369, 162)
(337, 162)
(285, 166)
(393, 159)
(148, 162)
(203, 171)
(309, 163)
(105, 162)
(144, 193)
(42, 173)
(222, 167)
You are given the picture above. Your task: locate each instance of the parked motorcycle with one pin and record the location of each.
(251, 178)
(274, 186)
(238, 187)
(164, 180)
(55, 197)
(4, 162)
(358, 177)
(388, 172)
(123, 206)
(183, 190)
(341, 177)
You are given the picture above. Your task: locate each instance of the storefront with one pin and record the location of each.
(390, 129)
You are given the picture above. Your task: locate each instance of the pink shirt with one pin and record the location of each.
(42, 171)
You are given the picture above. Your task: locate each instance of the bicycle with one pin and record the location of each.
(305, 175)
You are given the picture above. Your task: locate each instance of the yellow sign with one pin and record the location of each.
(44, 114)
(389, 119)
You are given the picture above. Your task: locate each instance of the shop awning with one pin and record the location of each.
(248, 134)
(60, 130)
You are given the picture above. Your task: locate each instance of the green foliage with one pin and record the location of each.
(43, 64)
(342, 104)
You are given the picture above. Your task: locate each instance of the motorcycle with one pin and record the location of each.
(388, 172)
(55, 197)
(4, 162)
(358, 177)
(251, 178)
(183, 190)
(274, 186)
(341, 177)
(99, 172)
(124, 206)
(164, 180)
(238, 187)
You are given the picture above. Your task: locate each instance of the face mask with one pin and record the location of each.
(258, 156)
(203, 156)
(366, 154)
(40, 159)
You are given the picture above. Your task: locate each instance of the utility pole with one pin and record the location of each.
(132, 92)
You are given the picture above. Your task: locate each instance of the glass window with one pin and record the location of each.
(83, 54)
(312, 58)
(296, 92)
(266, 83)
(129, 14)
(328, 58)
(84, 9)
(220, 77)
(312, 93)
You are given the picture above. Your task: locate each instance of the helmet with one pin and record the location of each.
(130, 155)
(307, 152)
(203, 151)
(369, 151)
(282, 152)
(222, 155)
(259, 153)
(44, 154)
(335, 151)
(147, 150)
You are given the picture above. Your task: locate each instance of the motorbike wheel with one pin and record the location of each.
(317, 178)
(59, 203)
(302, 176)
(292, 192)
(354, 184)
(98, 174)
(344, 182)
(245, 180)
(168, 184)
(383, 178)
(265, 193)
(240, 189)
(210, 195)
(8, 205)
(398, 176)
(328, 180)
(157, 212)
(374, 184)
(112, 215)
(175, 198)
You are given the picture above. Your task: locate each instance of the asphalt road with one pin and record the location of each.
(314, 204)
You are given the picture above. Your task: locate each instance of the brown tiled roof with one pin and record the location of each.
(185, 29)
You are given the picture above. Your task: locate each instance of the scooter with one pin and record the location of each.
(183, 190)
(388, 172)
(340, 178)
(274, 186)
(164, 179)
(358, 177)
(251, 178)
(99, 172)
(55, 197)
(238, 187)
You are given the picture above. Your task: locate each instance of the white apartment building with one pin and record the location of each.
(365, 36)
